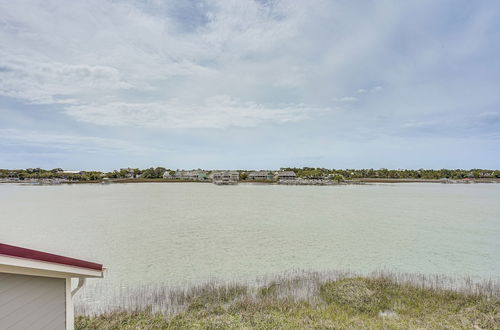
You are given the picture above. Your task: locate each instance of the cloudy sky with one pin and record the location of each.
(250, 84)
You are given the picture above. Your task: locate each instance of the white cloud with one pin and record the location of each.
(53, 82)
(214, 112)
(349, 99)
(374, 89)
(489, 114)
(128, 64)
(346, 99)
(63, 142)
(158, 64)
(419, 124)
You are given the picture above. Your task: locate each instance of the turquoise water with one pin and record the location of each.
(185, 233)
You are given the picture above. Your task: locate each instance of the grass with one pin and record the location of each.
(315, 300)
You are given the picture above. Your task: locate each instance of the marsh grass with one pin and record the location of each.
(302, 299)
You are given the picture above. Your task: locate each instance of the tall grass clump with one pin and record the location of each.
(361, 294)
(301, 299)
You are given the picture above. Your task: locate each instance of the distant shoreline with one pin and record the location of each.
(357, 181)
(380, 180)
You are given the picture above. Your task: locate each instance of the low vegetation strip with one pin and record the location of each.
(298, 302)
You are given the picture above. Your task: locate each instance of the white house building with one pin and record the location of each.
(260, 175)
(286, 175)
(187, 175)
(36, 290)
(225, 177)
(167, 175)
(130, 172)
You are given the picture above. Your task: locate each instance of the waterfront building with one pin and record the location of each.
(225, 177)
(70, 174)
(286, 175)
(197, 175)
(167, 175)
(73, 172)
(261, 175)
(35, 288)
(129, 172)
(202, 175)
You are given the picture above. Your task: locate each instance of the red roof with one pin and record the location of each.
(19, 252)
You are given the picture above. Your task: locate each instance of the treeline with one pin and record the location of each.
(383, 173)
(305, 172)
(58, 173)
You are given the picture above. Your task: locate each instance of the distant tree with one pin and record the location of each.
(112, 175)
(149, 173)
(338, 178)
(153, 173)
(91, 176)
(123, 173)
(159, 171)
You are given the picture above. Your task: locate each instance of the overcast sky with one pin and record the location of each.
(249, 84)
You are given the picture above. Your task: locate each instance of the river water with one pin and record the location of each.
(191, 232)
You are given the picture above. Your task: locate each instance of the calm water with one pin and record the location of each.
(184, 233)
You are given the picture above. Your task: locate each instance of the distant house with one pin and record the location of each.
(260, 175)
(225, 177)
(197, 175)
(286, 175)
(73, 172)
(70, 174)
(167, 175)
(202, 175)
(130, 173)
(181, 175)
(35, 288)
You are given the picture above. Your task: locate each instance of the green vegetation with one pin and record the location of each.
(383, 173)
(153, 173)
(305, 173)
(58, 173)
(308, 301)
(243, 175)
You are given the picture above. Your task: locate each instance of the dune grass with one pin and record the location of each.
(313, 300)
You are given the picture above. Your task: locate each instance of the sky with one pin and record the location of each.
(240, 84)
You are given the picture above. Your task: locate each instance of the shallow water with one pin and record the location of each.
(182, 233)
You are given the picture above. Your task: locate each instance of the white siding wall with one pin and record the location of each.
(32, 302)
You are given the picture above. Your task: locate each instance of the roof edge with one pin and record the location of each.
(19, 252)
